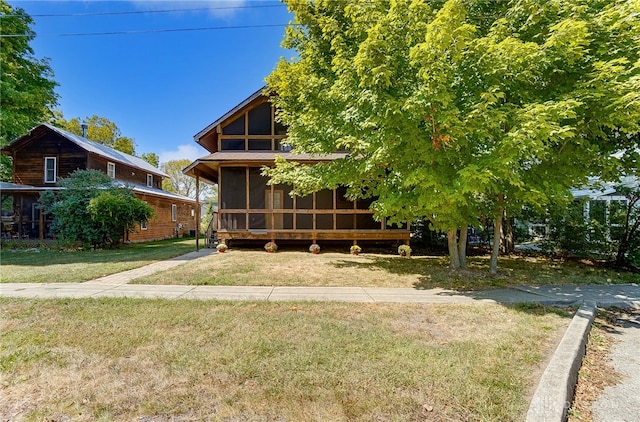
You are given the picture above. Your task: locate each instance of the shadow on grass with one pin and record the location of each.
(515, 270)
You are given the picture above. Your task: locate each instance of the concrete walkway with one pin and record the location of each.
(557, 383)
(627, 295)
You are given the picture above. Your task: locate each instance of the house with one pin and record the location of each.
(48, 154)
(601, 203)
(244, 140)
(606, 205)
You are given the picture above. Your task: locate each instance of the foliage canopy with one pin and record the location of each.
(27, 88)
(100, 130)
(462, 110)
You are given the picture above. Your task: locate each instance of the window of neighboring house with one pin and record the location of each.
(143, 225)
(50, 170)
(617, 218)
(111, 170)
(150, 180)
(598, 212)
(174, 212)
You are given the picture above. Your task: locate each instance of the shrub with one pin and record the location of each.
(91, 211)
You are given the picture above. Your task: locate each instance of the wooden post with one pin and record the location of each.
(41, 224)
(20, 218)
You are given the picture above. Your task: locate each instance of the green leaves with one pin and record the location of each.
(93, 212)
(26, 82)
(446, 107)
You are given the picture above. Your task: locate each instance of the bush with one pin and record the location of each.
(93, 212)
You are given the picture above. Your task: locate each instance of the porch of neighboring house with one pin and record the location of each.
(21, 214)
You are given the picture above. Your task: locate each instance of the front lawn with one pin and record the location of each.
(294, 268)
(42, 265)
(160, 360)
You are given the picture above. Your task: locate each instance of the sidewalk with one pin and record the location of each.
(624, 296)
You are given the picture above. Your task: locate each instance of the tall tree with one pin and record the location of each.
(27, 88)
(180, 183)
(151, 158)
(100, 130)
(458, 111)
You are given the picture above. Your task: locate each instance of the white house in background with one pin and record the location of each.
(605, 204)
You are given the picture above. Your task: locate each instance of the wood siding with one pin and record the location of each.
(29, 160)
(161, 226)
(123, 172)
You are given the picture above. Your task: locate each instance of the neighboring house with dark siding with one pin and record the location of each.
(48, 154)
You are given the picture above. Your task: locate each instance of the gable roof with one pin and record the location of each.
(229, 113)
(596, 188)
(94, 148)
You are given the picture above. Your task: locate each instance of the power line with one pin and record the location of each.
(151, 31)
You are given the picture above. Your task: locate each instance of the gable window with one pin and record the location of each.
(111, 170)
(234, 128)
(174, 212)
(50, 170)
(260, 120)
(150, 180)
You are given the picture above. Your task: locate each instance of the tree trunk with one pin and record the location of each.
(507, 236)
(462, 246)
(497, 235)
(495, 250)
(453, 249)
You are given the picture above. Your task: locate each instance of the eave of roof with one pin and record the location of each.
(267, 156)
(596, 188)
(15, 187)
(146, 190)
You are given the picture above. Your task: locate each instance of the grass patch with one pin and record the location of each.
(292, 268)
(38, 265)
(126, 359)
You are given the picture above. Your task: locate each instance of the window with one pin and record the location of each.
(150, 180)
(174, 212)
(50, 170)
(143, 225)
(260, 120)
(259, 144)
(111, 170)
(234, 128)
(232, 144)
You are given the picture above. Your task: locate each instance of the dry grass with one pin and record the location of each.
(596, 373)
(126, 359)
(295, 268)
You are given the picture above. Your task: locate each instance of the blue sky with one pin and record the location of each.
(160, 88)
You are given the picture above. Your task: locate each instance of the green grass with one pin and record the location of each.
(295, 268)
(41, 265)
(127, 359)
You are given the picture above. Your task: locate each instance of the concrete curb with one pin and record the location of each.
(555, 391)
